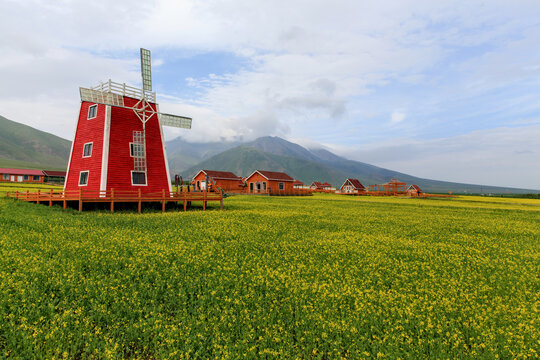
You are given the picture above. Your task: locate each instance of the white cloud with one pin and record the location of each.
(397, 116)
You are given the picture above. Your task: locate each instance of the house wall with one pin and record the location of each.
(88, 130)
(16, 179)
(271, 185)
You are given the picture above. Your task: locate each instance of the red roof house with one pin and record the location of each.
(225, 180)
(414, 190)
(21, 175)
(264, 182)
(297, 184)
(352, 186)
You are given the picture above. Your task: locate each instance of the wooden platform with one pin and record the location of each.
(113, 196)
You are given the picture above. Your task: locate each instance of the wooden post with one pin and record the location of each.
(17, 194)
(163, 200)
(185, 202)
(50, 197)
(27, 195)
(221, 201)
(80, 199)
(38, 194)
(112, 200)
(139, 192)
(204, 199)
(64, 204)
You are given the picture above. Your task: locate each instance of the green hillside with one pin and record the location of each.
(22, 146)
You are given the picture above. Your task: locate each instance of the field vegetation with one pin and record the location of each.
(320, 277)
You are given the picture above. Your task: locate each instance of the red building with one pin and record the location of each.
(225, 180)
(297, 184)
(119, 141)
(264, 182)
(414, 190)
(21, 175)
(352, 186)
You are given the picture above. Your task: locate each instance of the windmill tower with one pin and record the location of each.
(119, 138)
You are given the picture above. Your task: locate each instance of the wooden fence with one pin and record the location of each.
(113, 196)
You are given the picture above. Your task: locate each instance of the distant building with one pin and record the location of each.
(21, 175)
(54, 176)
(352, 186)
(297, 184)
(318, 186)
(264, 182)
(225, 180)
(414, 190)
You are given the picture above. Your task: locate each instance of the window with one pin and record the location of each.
(6, 177)
(136, 150)
(87, 151)
(92, 111)
(34, 178)
(138, 178)
(83, 178)
(250, 186)
(281, 186)
(264, 185)
(26, 177)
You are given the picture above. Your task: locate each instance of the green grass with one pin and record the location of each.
(319, 277)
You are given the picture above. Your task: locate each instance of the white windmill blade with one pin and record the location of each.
(175, 121)
(146, 70)
(101, 97)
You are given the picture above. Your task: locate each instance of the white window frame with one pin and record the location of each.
(281, 186)
(26, 177)
(95, 106)
(36, 176)
(87, 177)
(5, 177)
(91, 149)
(132, 148)
(145, 178)
(264, 187)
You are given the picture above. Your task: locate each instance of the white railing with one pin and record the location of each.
(125, 90)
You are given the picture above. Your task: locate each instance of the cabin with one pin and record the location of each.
(352, 186)
(225, 180)
(316, 186)
(414, 190)
(21, 175)
(54, 176)
(265, 182)
(297, 184)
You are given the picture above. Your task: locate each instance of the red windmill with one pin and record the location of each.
(119, 139)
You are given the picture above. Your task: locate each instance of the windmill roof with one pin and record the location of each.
(20, 171)
(223, 175)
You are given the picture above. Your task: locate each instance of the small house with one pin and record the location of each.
(297, 184)
(264, 182)
(414, 190)
(352, 186)
(21, 175)
(54, 176)
(225, 180)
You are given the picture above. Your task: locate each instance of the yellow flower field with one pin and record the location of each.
(320, 277)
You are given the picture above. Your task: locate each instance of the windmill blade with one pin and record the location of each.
(101, 97)
(175, 121)
(146, 70)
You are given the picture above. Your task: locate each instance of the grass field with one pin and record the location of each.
(320, 277)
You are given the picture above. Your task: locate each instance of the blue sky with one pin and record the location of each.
(444, 90)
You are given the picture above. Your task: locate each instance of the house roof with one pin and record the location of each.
(54, 173)
(221, 175)
(273, 175)
(355, 183)
(415, 187)
(298, 182)
(20, 171)
(317, 184)
(326, 184)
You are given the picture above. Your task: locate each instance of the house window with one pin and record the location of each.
(264, 185)
(35, 178)
(281, 186)
(83, 178)
(87, 151)
(251, 186)
(136, 150)
(92, 111)
(138, 178)
(26, 177)
(6, 177)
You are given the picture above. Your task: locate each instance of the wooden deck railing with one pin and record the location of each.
(113, 196)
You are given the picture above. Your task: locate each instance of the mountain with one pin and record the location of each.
(22, 146)
(183, 154)
(276, 154)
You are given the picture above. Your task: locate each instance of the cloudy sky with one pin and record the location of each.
(448, 90)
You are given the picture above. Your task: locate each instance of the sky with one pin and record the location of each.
(446, 90)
